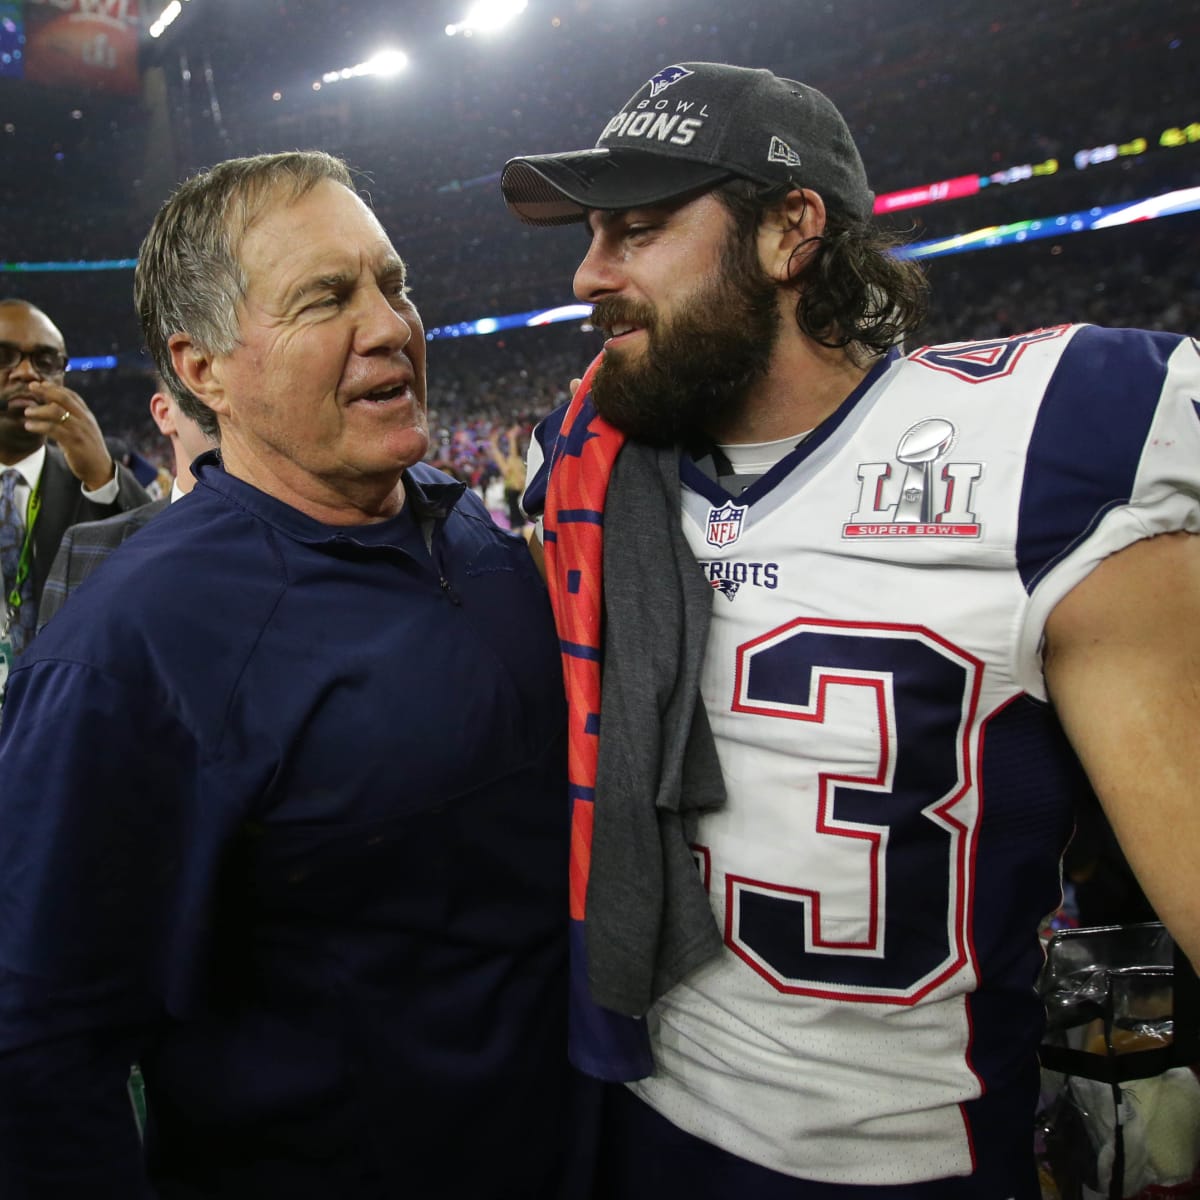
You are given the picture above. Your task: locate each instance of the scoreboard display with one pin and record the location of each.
(72, 43)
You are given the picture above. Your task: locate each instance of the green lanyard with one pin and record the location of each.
(26, 560)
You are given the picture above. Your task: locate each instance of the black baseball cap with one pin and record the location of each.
(688, 128)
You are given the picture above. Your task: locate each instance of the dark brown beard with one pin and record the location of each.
(698, 365)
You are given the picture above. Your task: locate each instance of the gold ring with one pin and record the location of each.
(65, 417)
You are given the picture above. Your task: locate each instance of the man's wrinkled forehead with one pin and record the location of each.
(300, 242)
(258, 198)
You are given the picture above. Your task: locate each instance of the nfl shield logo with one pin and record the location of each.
(725, 525)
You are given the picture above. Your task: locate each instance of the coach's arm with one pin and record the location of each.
(100, 926)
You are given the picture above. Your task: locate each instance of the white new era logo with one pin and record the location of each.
(781, 152)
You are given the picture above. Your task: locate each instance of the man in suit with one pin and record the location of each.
(84, 547)
(63, 472)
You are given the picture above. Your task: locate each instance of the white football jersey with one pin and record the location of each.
(899, 793)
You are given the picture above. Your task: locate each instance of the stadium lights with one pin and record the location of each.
(386, 63)
(486, 16)
(166, 17)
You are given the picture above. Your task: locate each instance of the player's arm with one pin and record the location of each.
(1122, 665)
(537, 476)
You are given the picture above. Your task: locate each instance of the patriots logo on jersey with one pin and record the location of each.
(666, 77)
(724, 525)
(727, 587)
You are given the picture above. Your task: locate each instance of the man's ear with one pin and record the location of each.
(194, 366)
(163, 414)
(789, 232)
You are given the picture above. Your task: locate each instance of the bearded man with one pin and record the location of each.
(840, 628)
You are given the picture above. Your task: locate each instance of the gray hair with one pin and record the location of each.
(189, 278)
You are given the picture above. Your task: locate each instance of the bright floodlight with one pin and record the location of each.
(165, 18)
(486, 16)
(386, 63)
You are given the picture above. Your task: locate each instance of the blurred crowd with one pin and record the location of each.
(487, 392)
(931, 93)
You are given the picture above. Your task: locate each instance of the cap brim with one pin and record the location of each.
(556, 189)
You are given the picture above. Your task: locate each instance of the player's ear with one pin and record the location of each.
(789, 234)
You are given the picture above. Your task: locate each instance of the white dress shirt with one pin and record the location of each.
(30, 469)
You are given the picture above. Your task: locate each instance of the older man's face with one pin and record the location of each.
(325, 393)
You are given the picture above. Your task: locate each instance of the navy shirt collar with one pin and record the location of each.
(428, 496)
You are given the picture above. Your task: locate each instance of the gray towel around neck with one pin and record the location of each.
(649, 922)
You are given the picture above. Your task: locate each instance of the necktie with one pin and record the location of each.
(12, 537)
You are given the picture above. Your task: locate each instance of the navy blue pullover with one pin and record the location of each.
(284, 820)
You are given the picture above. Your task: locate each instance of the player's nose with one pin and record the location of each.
(599, 274)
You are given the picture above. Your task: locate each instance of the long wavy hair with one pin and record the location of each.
(854, 293)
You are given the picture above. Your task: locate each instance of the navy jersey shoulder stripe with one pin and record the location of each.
(545, 434)
(1088, 440)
